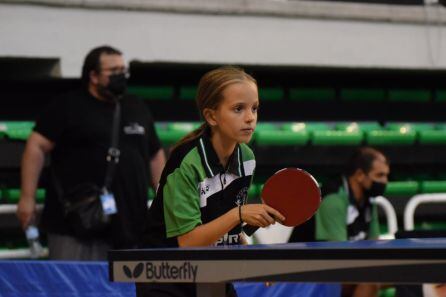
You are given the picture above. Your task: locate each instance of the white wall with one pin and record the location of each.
(68, 33)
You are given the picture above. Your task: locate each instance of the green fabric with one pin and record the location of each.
(181, 197)
(331, 218)
(247, 153)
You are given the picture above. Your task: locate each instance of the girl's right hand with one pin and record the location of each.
(260, 215)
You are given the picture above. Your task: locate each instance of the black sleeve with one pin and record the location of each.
(154, 141)
(52, 122)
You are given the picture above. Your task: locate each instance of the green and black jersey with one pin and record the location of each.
(195, 189)
(340, 218)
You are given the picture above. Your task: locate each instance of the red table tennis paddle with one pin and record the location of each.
(294, 193)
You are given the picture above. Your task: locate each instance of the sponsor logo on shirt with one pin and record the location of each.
(228, 239)
(242, 196)
(134, 129)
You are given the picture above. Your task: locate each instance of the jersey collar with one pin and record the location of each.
(210, 160)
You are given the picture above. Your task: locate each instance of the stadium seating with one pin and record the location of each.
(287, 136)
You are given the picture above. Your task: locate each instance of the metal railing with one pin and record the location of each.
(389, 210)
(414, 202)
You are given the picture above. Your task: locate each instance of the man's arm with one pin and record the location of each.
(156, 167)
(32, 163)
(331, 220)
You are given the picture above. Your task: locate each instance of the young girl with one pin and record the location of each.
(203, 189)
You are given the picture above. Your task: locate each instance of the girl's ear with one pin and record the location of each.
(209, 116)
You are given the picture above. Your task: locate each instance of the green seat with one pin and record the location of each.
(431, 225)
(440, 126)
(271, 94)
(387, 292)
(309, 126)
(168, 137)
(401, 189)
(409, 95)
(322, 134)
(333, 137)
(183, 126)
(273, 134)
(281, 137)
(188, 93)
(40, 195)
(253, 192)
(433, 187)
(171, 133)
(13, 195)
(357, 126)
(312, 94)
(440, 95)
(406, 127)
(159, 126)
(386, 137)
(265, 126)
(437, 135)
(363, 94)
(18, 130)
(152, 92)
(432, 137)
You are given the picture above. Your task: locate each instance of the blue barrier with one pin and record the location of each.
(59, 279)
(80, 279)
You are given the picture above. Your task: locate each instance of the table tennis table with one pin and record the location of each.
(407, 261)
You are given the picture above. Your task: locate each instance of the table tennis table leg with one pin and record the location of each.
(211, 290)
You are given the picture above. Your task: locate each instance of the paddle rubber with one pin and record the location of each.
(294, 193)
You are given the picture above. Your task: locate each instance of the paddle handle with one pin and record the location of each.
(249, 230)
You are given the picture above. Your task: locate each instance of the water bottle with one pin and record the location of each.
(32, 235)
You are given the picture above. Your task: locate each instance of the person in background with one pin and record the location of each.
(76, 131)
(348, 214)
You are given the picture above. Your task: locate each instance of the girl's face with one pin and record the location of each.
(236, 117)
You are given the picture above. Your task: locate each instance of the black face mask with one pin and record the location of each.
(117, 85)
(376, 189)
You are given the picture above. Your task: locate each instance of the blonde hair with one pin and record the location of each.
(210, 93)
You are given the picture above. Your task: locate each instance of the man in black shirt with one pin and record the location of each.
(76, 131)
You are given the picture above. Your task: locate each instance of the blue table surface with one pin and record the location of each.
(413, 243)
